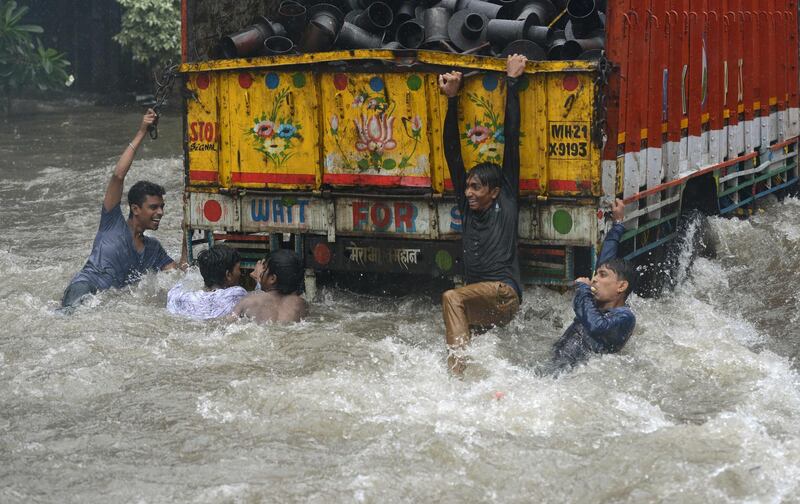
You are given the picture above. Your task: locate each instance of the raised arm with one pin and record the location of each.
(450, 83)
(114, 189)
(515, 66)
(611, 243)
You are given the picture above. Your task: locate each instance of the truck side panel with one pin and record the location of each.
(724, 112)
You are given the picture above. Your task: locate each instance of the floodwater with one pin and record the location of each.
(122, 402)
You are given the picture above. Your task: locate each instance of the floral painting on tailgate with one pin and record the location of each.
(485, 134)
(373, 144)
(275, 134)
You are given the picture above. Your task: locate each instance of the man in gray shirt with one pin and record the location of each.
(121, 252)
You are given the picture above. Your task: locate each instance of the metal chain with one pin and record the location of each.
(599, 134)
(163, 90)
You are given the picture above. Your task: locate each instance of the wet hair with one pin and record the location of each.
(141, 190)
(489, 174)
(215, 262)
(288, 268)
(624, 271)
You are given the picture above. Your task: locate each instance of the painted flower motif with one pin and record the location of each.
(264, 129)
(372, 104)
(334, 124)
(500, 136)
(274, 145)
(375, 133)
(416, 124)
(489, 149)
(286, 130)
(358, 100)
(478, 134)
(330, 161)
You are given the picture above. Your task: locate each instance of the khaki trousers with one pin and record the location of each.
(478, 304)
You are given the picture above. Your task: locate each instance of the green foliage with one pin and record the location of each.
(151, 30)
(24, 61)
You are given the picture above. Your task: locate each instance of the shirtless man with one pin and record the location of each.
(277, 295)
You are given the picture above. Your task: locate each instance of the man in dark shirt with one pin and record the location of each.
(603, 323)
(121, 252)
(487, 198)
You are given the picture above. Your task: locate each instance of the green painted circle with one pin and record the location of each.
(562, 221)
(414, 82)
(444, 260)
(524, 82)
(299, 80)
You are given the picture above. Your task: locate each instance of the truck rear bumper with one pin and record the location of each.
(399, 217)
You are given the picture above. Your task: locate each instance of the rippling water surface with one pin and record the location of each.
(123, 402)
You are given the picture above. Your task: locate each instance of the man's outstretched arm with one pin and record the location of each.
(450, 83)
(515, 66)
(114, 190)
(611, 243)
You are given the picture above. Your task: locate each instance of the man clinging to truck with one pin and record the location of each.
(121, 252)
(603, 323)
(487, 198)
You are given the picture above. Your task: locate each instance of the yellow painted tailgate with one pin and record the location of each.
(270, 129)
(203, 128)
(289, 123)
(376, 130)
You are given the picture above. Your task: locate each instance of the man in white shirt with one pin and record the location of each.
(219, 266)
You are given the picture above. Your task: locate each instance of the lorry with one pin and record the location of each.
(693, 106)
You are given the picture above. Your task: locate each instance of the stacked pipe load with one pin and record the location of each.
(539, 29)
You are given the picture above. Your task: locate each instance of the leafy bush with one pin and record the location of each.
(24, 61)
(151, 30)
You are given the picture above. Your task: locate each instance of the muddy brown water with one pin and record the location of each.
(123, 402)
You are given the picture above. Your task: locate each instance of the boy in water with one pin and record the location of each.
(219, 266)
(487, 199)
(603, 322)
(277, 298)
(121, 252)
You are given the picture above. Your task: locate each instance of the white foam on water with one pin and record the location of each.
(124, 402)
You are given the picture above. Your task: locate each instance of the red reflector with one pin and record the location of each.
(571, 82)
(212, 210)
(322, 254)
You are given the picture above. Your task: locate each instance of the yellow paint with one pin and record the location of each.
(684, 123)
(430, 57)
(254, 152)
(773, 101)
(621, 138)
(643, 134)
(581, 112)
(203, 141)
(705, 118)
(287, 143)
(376, 125)
(756, 105)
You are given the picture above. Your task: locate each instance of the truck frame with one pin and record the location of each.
(694, 105)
